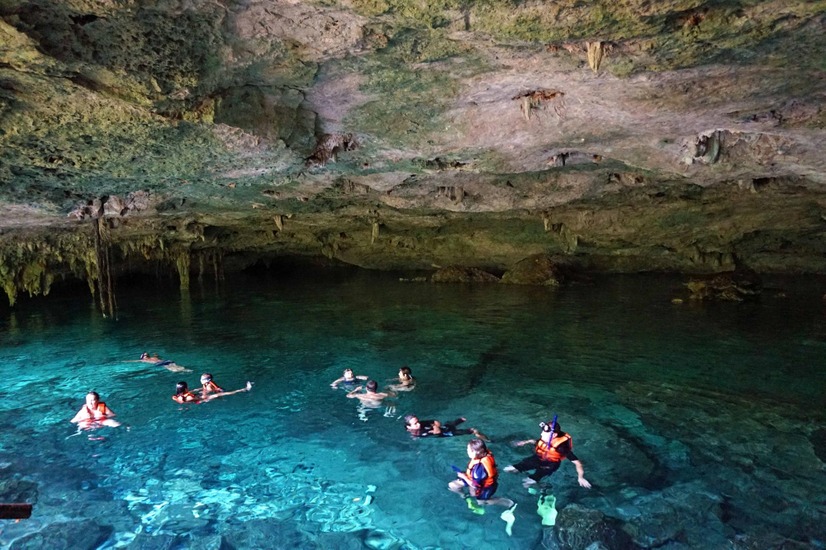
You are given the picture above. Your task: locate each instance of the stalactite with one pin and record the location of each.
(201, 268)
(218, 266)
(183, 262)
(595, 53)
(374, 233)
(105, 282)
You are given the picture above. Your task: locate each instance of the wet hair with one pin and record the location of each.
(478, 447)
(181, 388)
(97, 397)
(372, 385)
(144, 355)
(405, 371)
(206, 376)
(408, 418)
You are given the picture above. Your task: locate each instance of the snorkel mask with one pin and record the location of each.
(549, 428)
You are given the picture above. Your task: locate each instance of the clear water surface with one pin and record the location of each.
(699, 425)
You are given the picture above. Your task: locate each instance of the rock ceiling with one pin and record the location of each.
(629, 136)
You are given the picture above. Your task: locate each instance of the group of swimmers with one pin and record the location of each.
(95, 413)
(478, 482)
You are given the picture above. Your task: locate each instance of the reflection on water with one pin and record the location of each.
(699, 425)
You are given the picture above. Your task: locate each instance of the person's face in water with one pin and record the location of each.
(91, 400)
(348, 374)
(413, 425)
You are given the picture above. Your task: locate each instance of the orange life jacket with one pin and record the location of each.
(212, 387)
(549, 453)
(99, 408)
(489, 464)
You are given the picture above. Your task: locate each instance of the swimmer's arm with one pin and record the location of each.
(580, 474)
(362, 377)
(479, 434)
(336, 382)
(223, 393)
(80, 416)
(524, 442)
(354, 392)
(108, 413)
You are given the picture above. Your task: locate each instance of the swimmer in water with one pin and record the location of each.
(348, 379)
(171, 366)
(184, 395)
(405, 381)
(94, 414)
(434, 428)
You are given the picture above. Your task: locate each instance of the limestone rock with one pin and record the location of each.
(457, 274)
(539, 269)
(580, 528)
(736, 286)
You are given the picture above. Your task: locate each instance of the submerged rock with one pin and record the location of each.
(458, 274)
(76, 535)
(737, 286)
(540, 269)
(579, 528)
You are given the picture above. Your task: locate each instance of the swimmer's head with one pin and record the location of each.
(144, 355)
(476, 448)
(405, 373)
(92, 398)
(206, 378)
(348, 374)
(372, 385)
(181, 388)
(546, 427)
(411, 420)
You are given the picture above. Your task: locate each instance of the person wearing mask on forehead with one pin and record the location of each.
(552, 447)
(208, 385)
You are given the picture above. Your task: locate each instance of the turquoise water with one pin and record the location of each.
(699, 425)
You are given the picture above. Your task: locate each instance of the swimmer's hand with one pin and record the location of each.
(249, 385)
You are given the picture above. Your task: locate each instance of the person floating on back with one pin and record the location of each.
(553, 446)
(434, 428)
(481, 480)
(171, 366)
(94, 414)
(348, 379)
(184, 395)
